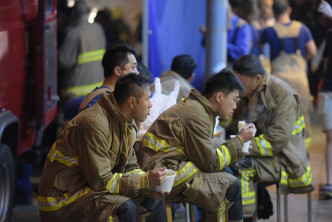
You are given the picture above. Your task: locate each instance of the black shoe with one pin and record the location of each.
(264, 204)
(326, 191)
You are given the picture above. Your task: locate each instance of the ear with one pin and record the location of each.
(219, 97)
(131, 102)
(258, 78)
(117, 71)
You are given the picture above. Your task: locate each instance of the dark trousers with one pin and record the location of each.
(128, 210)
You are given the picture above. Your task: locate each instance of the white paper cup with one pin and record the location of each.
(245, 147)
(166, 186)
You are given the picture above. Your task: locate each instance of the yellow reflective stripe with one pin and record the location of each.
(299, 125)
(55, 154)
(303, 181)
(55, 203)
(307, 142)
(264, 146)
(83, 90)
(155, 143)
(185, 173)
(248, 197)
(110, 218)
(152, 141)
(136, 171)
(113, 184)
(224, 157)
(91, 56)
(284, 178)
(221, 214)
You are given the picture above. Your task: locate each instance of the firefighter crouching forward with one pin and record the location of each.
(278, 153)
(91, 172)
(181, 138)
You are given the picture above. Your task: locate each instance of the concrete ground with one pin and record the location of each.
(297, 204)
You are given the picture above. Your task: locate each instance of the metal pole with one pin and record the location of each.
(145, 33)
(216, 36)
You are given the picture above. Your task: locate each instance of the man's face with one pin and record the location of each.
(131, 66)
(227, 104)
(142, 106)
(249, 83)
(266, 10)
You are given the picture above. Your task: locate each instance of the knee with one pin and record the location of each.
(127, 210)
(234, 191)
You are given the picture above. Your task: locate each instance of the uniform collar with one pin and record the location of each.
(210, 109)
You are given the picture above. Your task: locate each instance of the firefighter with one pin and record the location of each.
(80, 56)
(278, 153)
(181, 138)
(91, 172)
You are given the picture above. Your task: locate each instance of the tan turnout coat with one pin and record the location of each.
(91, 162)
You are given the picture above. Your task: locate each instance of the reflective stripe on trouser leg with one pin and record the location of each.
(248, 192)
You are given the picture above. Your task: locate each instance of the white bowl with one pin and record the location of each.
(166, 186)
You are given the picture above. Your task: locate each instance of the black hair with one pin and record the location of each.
(144, 71)
(130, 85)
(249, 65)
(280, 7)
(184, 65)
(116, 55)
(224, 81)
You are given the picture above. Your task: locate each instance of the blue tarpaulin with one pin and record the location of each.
(174, 26)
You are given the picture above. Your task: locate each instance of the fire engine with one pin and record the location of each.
(28, 84)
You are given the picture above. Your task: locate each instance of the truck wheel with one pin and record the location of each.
(7, 184)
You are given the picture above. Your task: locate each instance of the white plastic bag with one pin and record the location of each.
(160, 102)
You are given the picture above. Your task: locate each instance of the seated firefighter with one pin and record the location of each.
(278, 153)
(91, 172)
(181, 139)
(182, 70)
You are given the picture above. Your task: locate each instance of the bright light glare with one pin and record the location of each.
(92, 15)
(70, 3)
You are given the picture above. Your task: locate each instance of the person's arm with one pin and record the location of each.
(242, 43)
(311, 49)
(96, 162)
(69, 50)
(325, 8)
(278, 128)
(310, 45)
(199, 147)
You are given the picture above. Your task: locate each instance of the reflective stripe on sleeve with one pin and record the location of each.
(136, 171)
(185, 173)
(155, 143)
(56, 155)
(224, 157)
(113, 185)
(264, 146)
(55, 203)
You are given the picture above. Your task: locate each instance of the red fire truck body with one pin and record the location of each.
(28, 84)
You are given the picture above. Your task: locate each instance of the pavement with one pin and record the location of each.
(297, 203)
